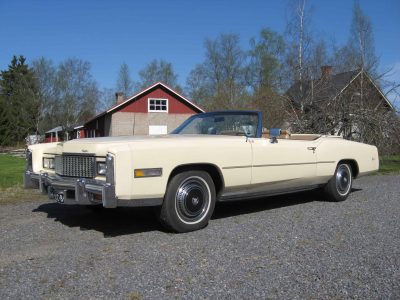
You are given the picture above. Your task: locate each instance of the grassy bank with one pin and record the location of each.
(11, 170)
(390, 164)
(11, 190)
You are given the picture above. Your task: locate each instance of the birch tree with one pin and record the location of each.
(362, 40)
(264, 76)
(124, 81)
(45, 75)
(158, 71)
(299, 40)
(76, 91)
(221, 74)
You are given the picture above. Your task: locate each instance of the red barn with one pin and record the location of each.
(155, 110)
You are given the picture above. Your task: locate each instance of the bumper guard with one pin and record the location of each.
(81, 191)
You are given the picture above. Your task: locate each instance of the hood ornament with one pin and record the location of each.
(84, 150)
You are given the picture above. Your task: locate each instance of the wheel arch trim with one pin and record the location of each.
(213, 170)
(353, 165)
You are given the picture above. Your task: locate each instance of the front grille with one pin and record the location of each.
(75, 165)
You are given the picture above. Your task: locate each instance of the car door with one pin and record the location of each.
(283, 164)
(234, 156)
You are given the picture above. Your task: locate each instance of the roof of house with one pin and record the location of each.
(332, 87)
(329, 88)
(138, 95)
(55, 129)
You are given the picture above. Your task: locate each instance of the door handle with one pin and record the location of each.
(248, 140)
(312, 148)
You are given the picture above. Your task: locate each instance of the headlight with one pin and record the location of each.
(48, 163)
(101, 168)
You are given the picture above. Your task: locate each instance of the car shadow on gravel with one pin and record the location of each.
(234, 208)
(240, 207)
(111, 222)
(129, 220)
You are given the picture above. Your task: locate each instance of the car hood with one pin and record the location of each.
(102, 145)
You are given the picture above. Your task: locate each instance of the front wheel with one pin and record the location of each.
(339, 186)
(189, 201)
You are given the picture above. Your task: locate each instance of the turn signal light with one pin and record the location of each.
(153, 172)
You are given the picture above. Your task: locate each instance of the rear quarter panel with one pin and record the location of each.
(332, 150)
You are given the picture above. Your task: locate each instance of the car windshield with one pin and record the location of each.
(238, 124)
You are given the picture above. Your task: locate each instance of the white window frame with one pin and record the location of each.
(157, 111)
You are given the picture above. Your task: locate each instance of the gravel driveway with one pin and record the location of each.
(281, 247)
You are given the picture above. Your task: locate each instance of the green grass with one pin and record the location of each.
(11, 170)
(11, 190)
(390, 164)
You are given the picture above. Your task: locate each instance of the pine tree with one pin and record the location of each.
(19, 102)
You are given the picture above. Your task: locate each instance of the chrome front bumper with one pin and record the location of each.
(84, 191)
(67, 190)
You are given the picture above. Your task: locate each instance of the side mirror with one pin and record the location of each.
(274, 133)
(273, 140)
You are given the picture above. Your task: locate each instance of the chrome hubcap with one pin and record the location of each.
(343, 180)
(192, 200)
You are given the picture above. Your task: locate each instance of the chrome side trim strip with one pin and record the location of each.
(279, 165)
(140, 202)
(236, 167)
(287, 164)
(242, 195)
(294, 164)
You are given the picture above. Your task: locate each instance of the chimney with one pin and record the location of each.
(119, 97)
(326, 72)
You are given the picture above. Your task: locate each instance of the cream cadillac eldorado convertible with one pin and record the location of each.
(217, 156)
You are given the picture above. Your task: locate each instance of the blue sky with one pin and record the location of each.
(108, 33)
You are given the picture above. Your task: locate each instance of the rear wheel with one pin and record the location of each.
(189, 201)
(339, 186)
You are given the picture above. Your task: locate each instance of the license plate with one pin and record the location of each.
(60, 197)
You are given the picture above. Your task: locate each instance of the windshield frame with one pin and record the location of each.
(225, 112)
